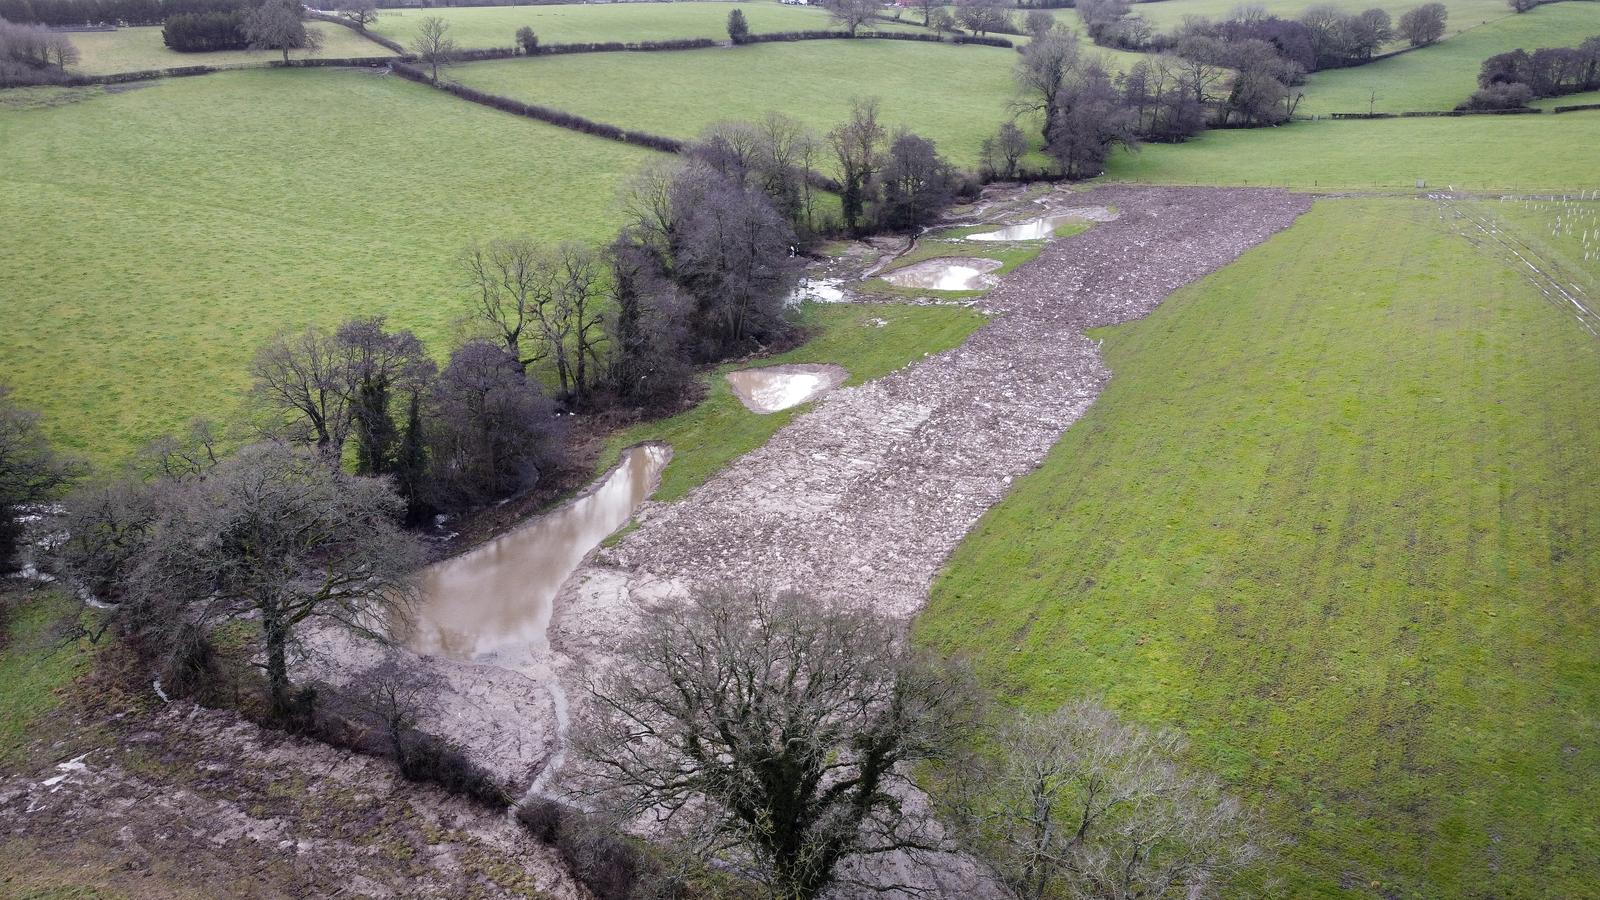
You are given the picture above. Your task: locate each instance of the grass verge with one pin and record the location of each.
(36, 665)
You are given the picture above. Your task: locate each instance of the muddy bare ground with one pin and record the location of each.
(189, 802)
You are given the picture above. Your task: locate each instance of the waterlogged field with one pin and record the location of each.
(157, 236)
(1445, 74)
(138, 49)
(955, 95)
(1331, 519)
(496, 26)
(1477, 153)
(869, 341)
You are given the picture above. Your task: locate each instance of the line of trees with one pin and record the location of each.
(57, 13)
(1510, 80)
(31, 55)
(241, 24)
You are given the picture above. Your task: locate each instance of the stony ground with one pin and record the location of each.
(864, 497)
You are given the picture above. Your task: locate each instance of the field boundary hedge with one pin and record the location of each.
(378, 39)
(549, 115)
(1435, 113)
(1574, 108)
(828, 35)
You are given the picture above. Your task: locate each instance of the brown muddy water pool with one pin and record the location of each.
(496, 599)
(965, 273)
(774, 388)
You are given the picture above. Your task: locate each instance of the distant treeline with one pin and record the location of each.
(1510, 80)
(66, 13)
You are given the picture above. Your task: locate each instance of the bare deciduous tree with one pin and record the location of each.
(983, 16)
(280, 25)
(361, 13)
(1078, 804)
(30, 471)
(512, 293)
(490, 429)
(1423, 25)
(578, 271)
(301, 379)
(542, 303)
(1044, 71)
(769, 728)
(1002, 154)
(918, 183)
(858, 146)
(852, 14)
(433, 45)
(275, 533)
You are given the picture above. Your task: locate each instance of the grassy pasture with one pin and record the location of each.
(719, 430)
(158, 235)
(496, 26)
(955, 95)
(1440, 76)
(1332, 518)
(1472, 153)
(137, 49)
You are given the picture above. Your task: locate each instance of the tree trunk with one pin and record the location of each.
(277, 640)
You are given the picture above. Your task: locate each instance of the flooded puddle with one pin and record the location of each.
(1039, 229)
(817, 290)
(497, 597)
(773, 388)
(946, 274)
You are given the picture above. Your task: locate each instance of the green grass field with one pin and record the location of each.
(137, 49)
(955, 95)
(719, 430)
(1485, 153)
(37, 663)
(1332, 518)
(496, 26)
(157, 236)
(1445, 74)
